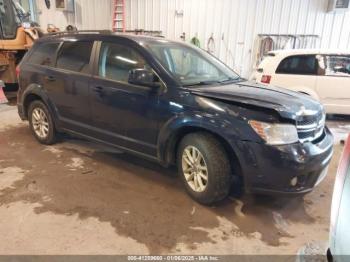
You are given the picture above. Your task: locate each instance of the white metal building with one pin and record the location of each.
(233, 24)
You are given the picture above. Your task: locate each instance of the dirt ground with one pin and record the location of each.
(79, 198)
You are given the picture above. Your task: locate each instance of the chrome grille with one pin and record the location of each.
(310, 127)
(310, 119)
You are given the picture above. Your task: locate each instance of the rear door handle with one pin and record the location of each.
(50, 78)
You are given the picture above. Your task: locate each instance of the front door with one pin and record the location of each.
(333, 85)
(124, 114)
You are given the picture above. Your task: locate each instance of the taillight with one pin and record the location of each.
(17, 71)
(266, 79)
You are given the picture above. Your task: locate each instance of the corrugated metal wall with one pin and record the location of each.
(234, 24)
(51, 16)
(93, 14)
(88, 14)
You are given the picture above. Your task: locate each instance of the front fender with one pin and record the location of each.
(184, 123)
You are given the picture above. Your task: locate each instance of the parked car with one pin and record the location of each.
(340, 216)
(174, 103)
(322, 74)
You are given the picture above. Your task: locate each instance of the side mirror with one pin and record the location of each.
(143, 77)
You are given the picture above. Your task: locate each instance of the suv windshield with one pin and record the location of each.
(190, 65)
(8, 19)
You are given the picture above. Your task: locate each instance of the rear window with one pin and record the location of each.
(75, 56)
(44, 54)
(299, 65)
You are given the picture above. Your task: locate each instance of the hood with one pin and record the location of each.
(287, 103)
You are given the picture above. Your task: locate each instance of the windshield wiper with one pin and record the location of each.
(230, 79)
(202, 83)
(210, 82)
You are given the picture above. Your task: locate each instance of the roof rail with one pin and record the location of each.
(80, 32)
(142, 32)
(107, 32)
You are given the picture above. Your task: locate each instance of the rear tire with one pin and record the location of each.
(204, 167)
(41, 123)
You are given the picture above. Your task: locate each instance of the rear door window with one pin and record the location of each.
(44, 54)
(298, 65)
(75, 56)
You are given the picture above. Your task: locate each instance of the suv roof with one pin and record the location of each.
(100, 34)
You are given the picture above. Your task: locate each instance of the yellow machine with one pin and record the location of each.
(16, 37)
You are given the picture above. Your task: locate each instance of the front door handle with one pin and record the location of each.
(50, 78)
(98, 89)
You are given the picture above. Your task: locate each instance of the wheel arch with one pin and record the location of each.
(173, 141)
(35, 92)
(29, 98)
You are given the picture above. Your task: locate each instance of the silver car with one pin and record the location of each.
(340, 217)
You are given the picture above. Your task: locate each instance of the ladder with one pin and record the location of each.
(119, 16)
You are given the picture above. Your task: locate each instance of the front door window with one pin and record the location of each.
(337, 65)
(117, 60)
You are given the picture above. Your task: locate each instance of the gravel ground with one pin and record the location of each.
(79, 198)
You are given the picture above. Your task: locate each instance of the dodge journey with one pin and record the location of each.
(175, 104)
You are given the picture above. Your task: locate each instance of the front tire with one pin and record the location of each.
(41, 123)
(204, 167)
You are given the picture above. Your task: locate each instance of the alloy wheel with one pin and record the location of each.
(40, 123)
(194, 169)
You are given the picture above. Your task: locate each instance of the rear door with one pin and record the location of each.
(39, 63)
(296, 72)
(68, 85)
(124, 114)
(333, 85)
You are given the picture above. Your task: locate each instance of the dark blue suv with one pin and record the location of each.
(175, 104)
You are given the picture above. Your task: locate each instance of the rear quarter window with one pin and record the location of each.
(44, 54)
(298, 65)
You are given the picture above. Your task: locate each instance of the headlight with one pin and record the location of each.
(275, 134)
